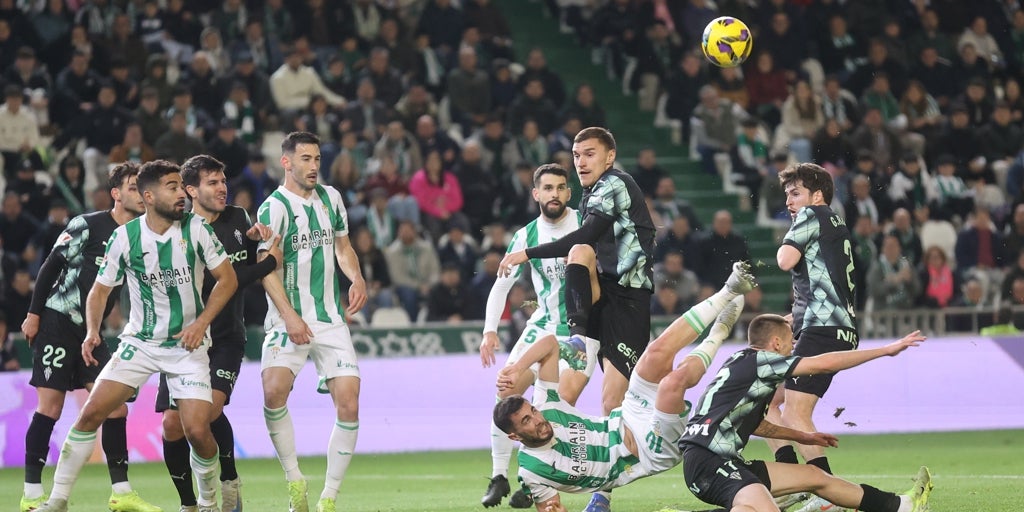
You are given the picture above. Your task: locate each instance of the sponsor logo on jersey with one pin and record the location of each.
(239, 256)
(190, 383)
(169, 278)
(226, 374)
(698, 429)
(312, 239)
(578, 453)
(238, 236)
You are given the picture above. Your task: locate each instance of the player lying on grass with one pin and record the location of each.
(566, 450)
(733, 407)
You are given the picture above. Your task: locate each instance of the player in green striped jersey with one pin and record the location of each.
(162, 256)
(566, 450)
(305, 318)
(551, 191)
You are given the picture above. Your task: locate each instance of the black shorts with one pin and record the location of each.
(57, 354)
(815, 341)
(715, 479)
(225, 363)
(621, 321)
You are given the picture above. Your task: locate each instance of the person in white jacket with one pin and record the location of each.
(19, 130)
(293, 84)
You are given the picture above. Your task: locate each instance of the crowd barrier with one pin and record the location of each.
(443, 402)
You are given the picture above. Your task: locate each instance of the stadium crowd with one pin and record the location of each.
(431, 126)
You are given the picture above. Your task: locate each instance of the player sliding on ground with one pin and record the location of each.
(565, 450)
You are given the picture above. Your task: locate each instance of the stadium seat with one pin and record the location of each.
(390, 317)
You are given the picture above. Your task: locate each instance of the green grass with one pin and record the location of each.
(973, 471)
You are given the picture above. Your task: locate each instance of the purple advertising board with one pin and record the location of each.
(444, 402)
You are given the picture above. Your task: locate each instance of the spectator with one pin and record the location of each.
(932, 36)
(666, 301)
(718, 250)
(518, 207)
(229, 149)
(561, 140)
(8, 350)
(125, 46)
(970, 67)
(264, 48)
(442, 23)
(921, 111)
(1015, 272)
(325, 23)
(239, 109)
(34, 196)
(1012, 95)
(255, 179)
(671, 273)
(531, 145)
(416, 103)
(801, 118)
(692, 18)
(386, 79)
(483, 281)
(374, 268)
(125, 87)
(1003, 319)
(715, 122)
(177, 145)
(149, 117)
(878, 61)
(911, 186)
(212, 44)
(893, 284)
(877, 138)
(768, 88)
(366, 115)
(880, 96)
(1001, 140)
(977, 36)
(498, 153)
(257, 83)
(554, 87)
(936, 76)
(667, 204)
(683, 90)
(958, 138)
(839, 104)
(27, 74)
(1013, 240)
(75, 90)
(979, 249)
(584, 106)
(532, 104)
(614, 28)
(278, 22)
(203, 85)
(832, 146)
(656, 54)
(839, 51)
(400, 203)
(430, 139)
(772, 193)
(9, 42)
(401, 52)
(19, 131)
(977, 102)
(17, 228)
(379, 220)
(895, 42)
(458, 248)
(973, 297)
(293, 83)
(934, 232)
(479, 187)
(438, 193)
(648, 173)
(198, 122)
(52, 25)
(787, 47)
(413, 267)
(865, 204)
(156, 79)
(731, 86)
(133, 148)
(402, 147)
(865, 253)
(54, 223)
(102, 127)
(18, 298)
(449, 300)
(69, 185)
(903, 229)
(325, 122)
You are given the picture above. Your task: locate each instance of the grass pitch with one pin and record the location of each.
(973, 471)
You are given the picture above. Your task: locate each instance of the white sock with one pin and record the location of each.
(339, 455)
(206, 471)
(33, 491)
(709, 347)
(501, 451)
(905, 504)
(121, 488)
(78, 446)
(282, 435)
(702, 315)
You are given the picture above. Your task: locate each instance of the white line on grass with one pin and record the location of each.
(939, 475)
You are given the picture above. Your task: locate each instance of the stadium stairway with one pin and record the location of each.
(532, 26)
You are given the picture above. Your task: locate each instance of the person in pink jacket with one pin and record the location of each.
(438, 193)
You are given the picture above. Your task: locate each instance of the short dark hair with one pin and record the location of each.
(193, 168)
(812, 176)
(555, 169)
(763, 327)
(596, 132)
(117, 175)
(151, 173)
(504, 410)
(293, 139)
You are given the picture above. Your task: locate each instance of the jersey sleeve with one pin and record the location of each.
(71, 241)
(518, 243)
(805, 229)
(208, 246)
(111, 272)
(272, 213)
(609, 198)
(539, 491)
(502, 285)
(340, 216)
(775, 367)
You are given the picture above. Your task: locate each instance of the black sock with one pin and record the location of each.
(821, 462)
(578, 297)
(225, 438)
(786, 454)
(37, 447)
(176, 457)
(115, 447)
(875, 500)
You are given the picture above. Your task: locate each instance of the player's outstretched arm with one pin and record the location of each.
(95, 303)
(348, 260)
(192, 335)
(835, 361)
(492, 316)
(770, 430)
(543, 351)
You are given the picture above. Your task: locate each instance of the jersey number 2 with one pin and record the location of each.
(54, 356)
(848, 251)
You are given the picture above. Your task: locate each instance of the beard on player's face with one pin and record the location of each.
(553, 209)
(170, 210)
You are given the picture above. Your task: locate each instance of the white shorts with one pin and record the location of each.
(188, 373)
(656, 433)
(533, 333)
(330, 348)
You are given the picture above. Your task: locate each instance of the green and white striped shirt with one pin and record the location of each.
(586, 454)
(308, 228)
(165, 274)
(548, 274)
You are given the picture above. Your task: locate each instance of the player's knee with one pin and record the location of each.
(171, 424)
(89, 420)
(582, 254)
(348, 410)
(120, 412)
(682, 378)
(816, 478)
(50, 409)
(610, 402)
(197, 433)
(274, 397)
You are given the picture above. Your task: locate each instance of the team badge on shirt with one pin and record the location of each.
(238, 236)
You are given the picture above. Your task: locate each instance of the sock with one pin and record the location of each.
(37, 447)
(74, 454)
(786, 454)
(225, 437)
(875, 500)
(578, 297)
(702, 315)
(821, 462)
(709, 347)
(501, 451)
(339, 455)
(206, 477)
(176, 459)
(115, 447)
(282, 435)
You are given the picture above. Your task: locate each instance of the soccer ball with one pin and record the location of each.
(727, 42)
